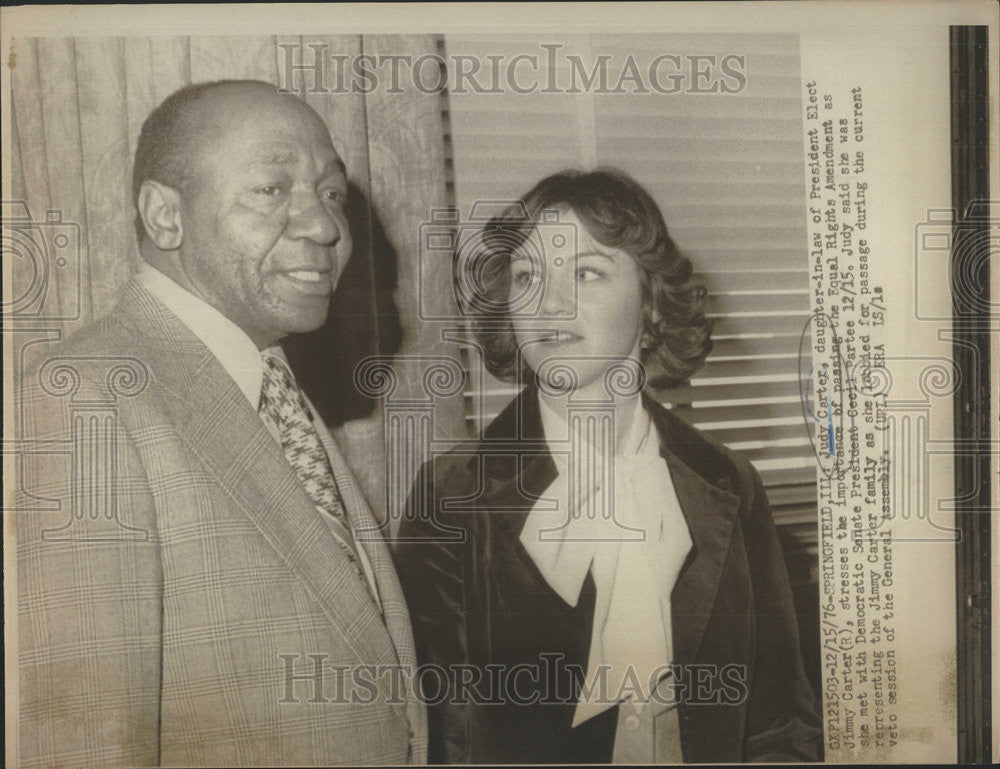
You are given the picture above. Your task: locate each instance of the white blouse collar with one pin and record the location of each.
(625, 526)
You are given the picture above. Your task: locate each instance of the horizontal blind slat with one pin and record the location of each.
(711, 196)
(757, 280)
(702, 393)
(794, 323)
(783, 477)
(727, 304)
(775, 452)
(708, 414)
(792, 516)
(751, 367)
(757, 346)
(790, 495)
(763, 433)
(649, 131)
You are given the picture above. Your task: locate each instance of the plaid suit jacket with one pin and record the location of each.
(180, 599)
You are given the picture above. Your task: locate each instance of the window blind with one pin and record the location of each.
(727, 172)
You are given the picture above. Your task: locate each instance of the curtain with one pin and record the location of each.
(77, 107)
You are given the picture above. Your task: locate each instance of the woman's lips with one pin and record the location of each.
(559, 338)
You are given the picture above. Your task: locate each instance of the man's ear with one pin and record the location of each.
(160, 208)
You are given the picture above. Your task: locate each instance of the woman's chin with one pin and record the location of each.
(560, 379)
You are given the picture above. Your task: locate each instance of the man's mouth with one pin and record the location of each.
(312, 282)
(310, 276)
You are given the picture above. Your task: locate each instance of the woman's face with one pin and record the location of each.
(590, 309)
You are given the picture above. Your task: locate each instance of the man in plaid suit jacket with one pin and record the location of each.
(181, 598)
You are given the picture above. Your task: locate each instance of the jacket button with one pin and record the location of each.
(632, 722)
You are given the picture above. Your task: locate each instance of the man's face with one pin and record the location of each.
(265, 238)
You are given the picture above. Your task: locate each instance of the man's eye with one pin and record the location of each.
(526, 278)
(269, 190)
(334, 196)
(589, 274)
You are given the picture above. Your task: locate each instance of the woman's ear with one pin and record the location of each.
(653, 317)
(160, 208)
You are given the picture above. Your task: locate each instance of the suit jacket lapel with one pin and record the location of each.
(397, 618)
(519, 468)
(710, 510)
(219, 426)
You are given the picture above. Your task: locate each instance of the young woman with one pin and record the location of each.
(598, 581)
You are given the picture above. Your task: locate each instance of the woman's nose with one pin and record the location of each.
(559, 297)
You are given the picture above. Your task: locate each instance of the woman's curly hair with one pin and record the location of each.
(618, 213)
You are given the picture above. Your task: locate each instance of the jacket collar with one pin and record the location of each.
(220, 427)
(519, 428)
(519, 468)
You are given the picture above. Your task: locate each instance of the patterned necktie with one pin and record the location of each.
(283, 404)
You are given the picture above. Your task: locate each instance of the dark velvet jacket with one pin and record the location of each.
(480, 607)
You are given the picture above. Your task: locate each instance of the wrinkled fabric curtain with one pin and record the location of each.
(78, 105)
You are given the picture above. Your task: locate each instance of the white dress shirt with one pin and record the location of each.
(236, 352)
(634, 555)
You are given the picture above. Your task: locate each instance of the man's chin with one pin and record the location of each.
(304, 322)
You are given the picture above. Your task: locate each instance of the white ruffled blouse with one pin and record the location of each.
(620, 520)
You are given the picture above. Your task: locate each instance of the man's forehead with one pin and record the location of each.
(268, 152)
(273, 130)
(237, 108)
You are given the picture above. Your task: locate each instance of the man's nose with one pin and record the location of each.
(309, 218)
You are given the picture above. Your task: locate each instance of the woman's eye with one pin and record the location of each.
(526, 278)
(589, 274)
